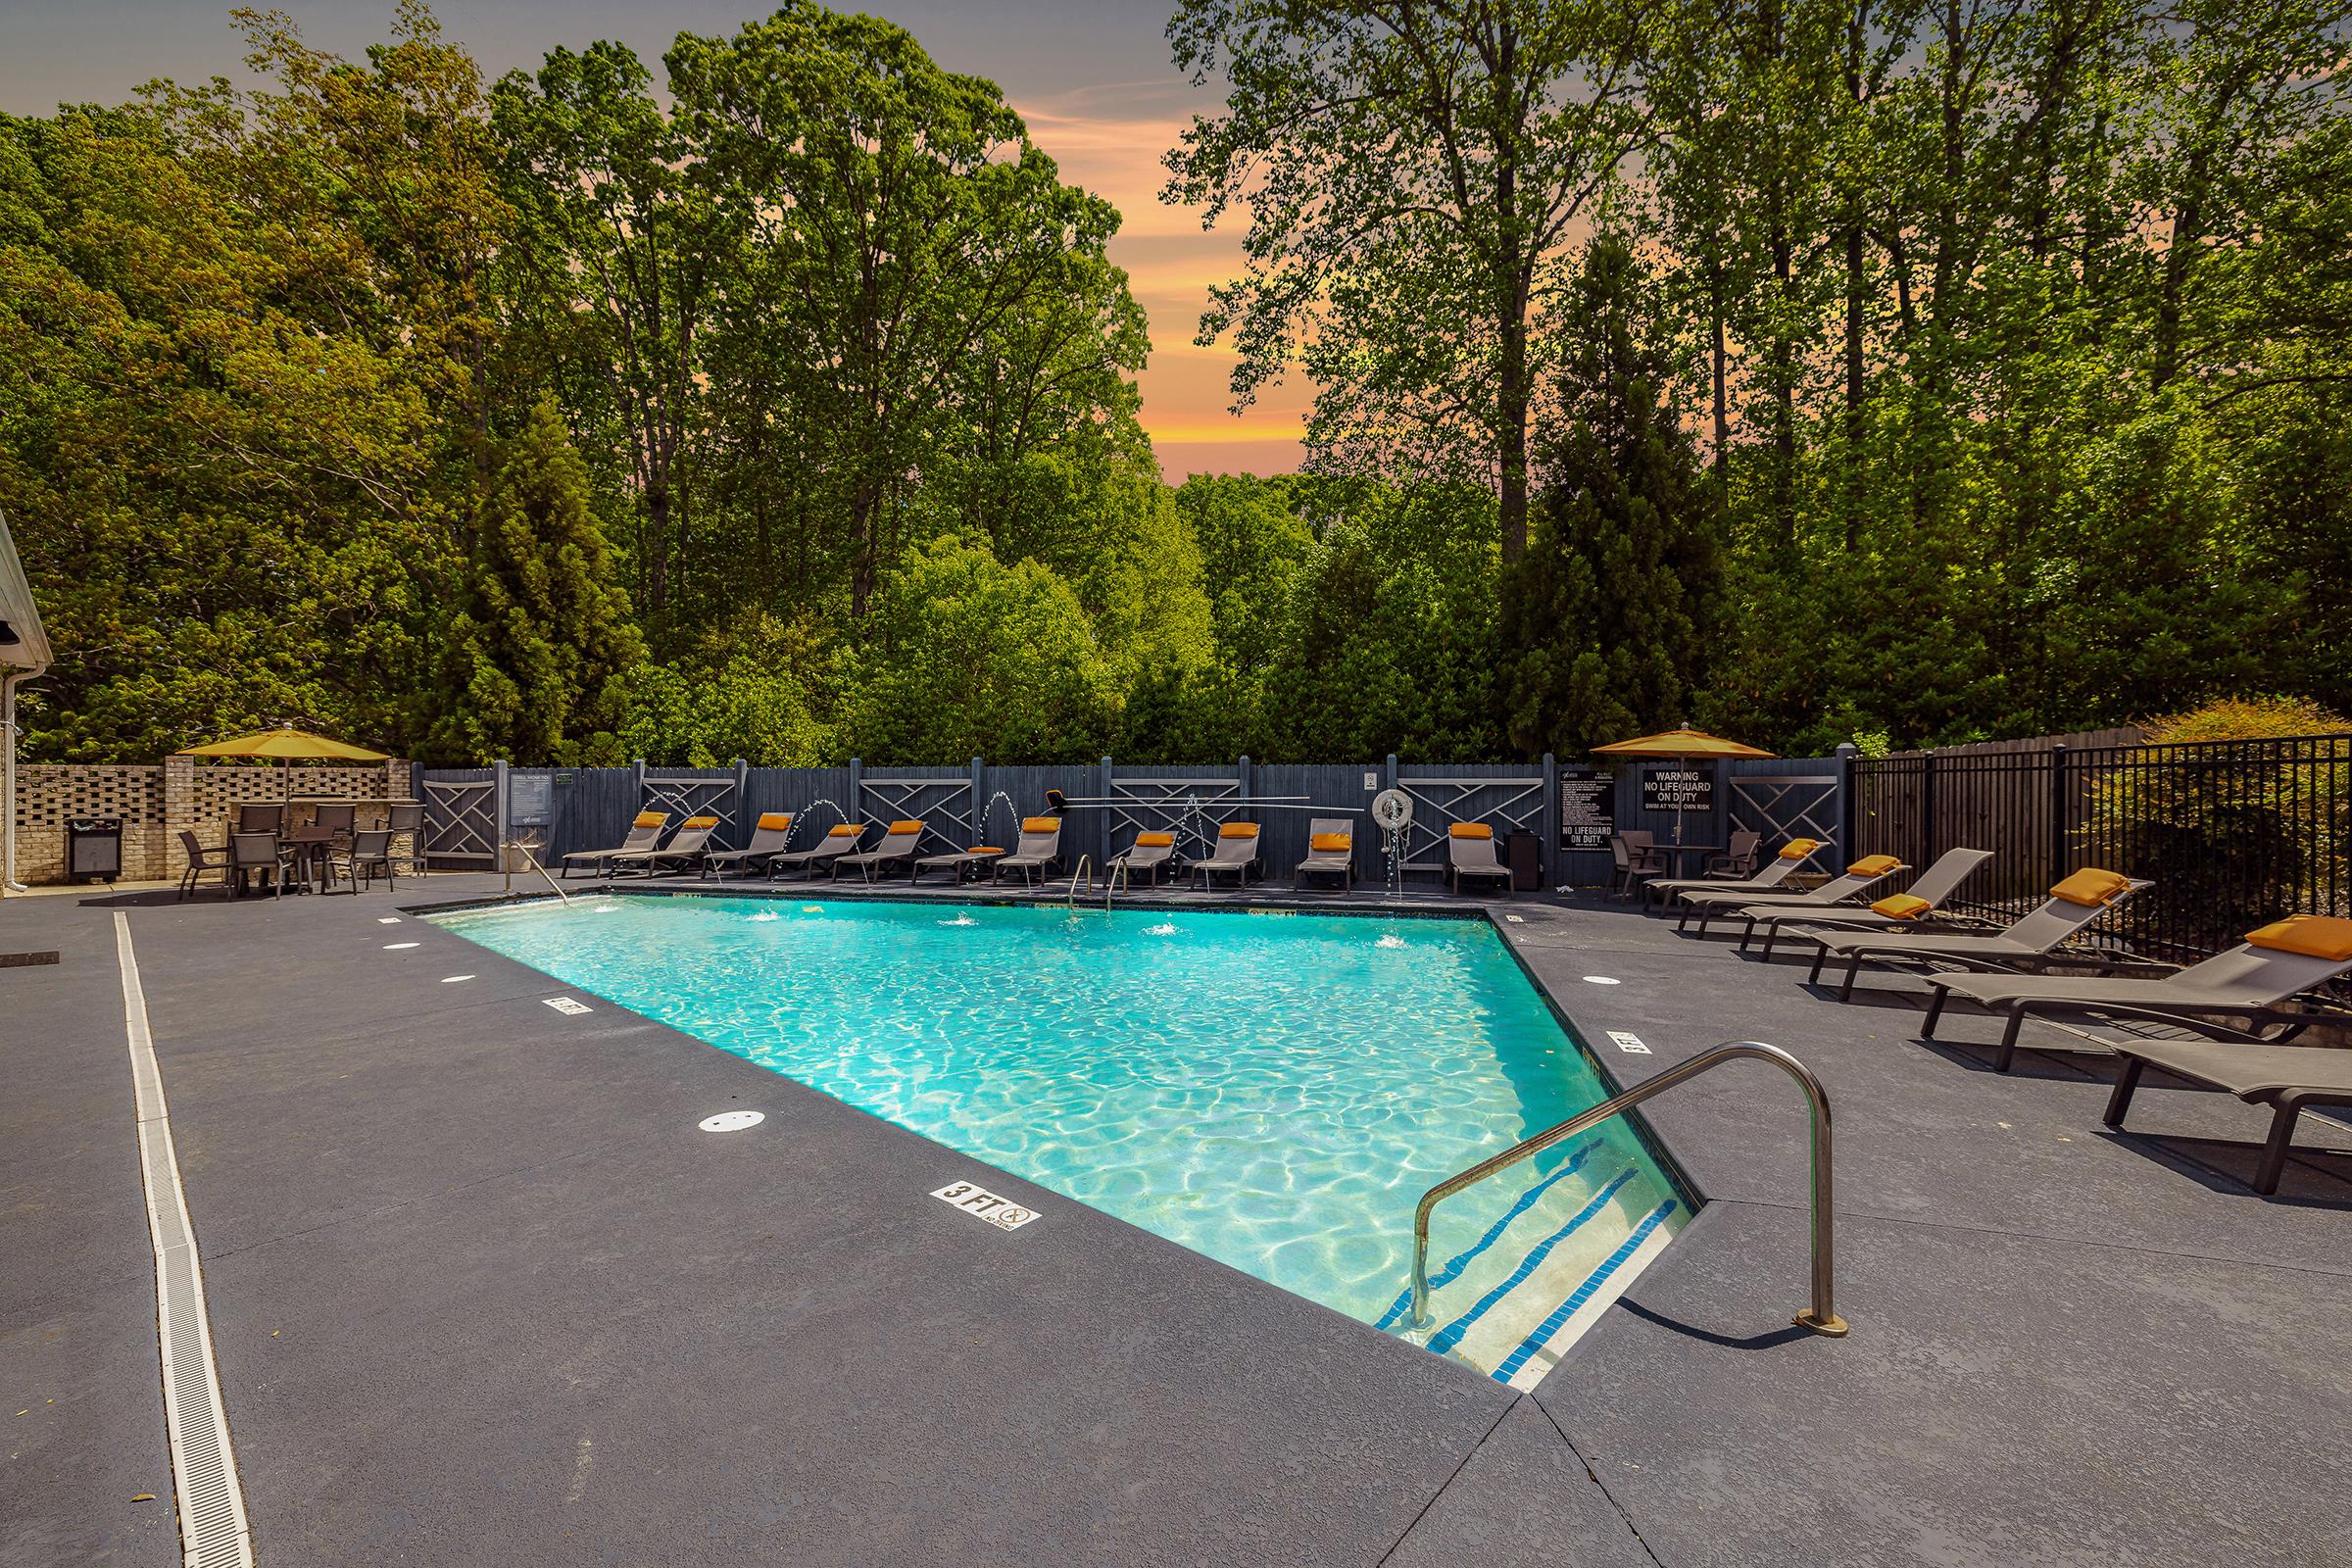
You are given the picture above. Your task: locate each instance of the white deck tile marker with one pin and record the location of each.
(732, 1121)
(569, 1007)
(387, 919)
(1516, 919)
(453, 979)
(1602, 980)
(395, 946)
(1628, 1042)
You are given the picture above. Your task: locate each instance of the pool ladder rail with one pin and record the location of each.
(1113, 877)
(1821, 1317)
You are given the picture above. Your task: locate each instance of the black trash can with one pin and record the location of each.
(93, 849)
(1523, 852)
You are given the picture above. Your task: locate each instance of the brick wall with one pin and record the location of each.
(156, 802)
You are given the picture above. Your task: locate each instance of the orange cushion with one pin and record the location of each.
(1238, 830)
(1041, 824)
(1156, 840)
(1903, 906)
(651, 818)
(1799, 849)
(983, 849)
(846, 830)
(2316, 936)
(1874, 865)
(1471, 830)
(1332, 843)
(2090, 885)
(702, 821)
(775, 821)
(907, 825)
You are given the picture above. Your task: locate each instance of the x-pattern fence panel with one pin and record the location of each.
(934, 800)
(460, 822)
(683, 797)
(1440, 803)
(1786, 806)
(1191, 809)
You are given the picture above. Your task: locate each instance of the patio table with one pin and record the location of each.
(309, 846)
(1677, 851)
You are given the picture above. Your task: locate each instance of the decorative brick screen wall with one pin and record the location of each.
(156, 802)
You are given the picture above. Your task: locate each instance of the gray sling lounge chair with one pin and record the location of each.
(1034, 855)
(1856, 879)
(2285, 1078)
(1920, 899)
(2248, 981)
(963, 862)
(1470, 852)
(2025, 943)
(644, 834)
(682, 853)
(897, 848)
(1330, 851)
(1784, 866)
(1237, 853)
(768, 838)
(1149, 853)
(840, 839)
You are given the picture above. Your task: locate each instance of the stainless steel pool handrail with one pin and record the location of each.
(529, 849)
(1086, 869)
(1821, 1317)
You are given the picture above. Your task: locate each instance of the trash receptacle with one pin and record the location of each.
(93, 849)
(1523, 852)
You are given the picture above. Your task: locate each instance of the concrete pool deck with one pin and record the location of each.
(480, 1292)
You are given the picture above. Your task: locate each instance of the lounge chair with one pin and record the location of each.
(840, 839)
(2286, 1078)
(1038, 847)
(1856, 879)
(1634, 857)
(1470, 851)
(897, 848)
(2028, 941)
(1330, 851)
(1792, 854)
(769, 835)
(1149, 853)
(1921, 899)
(1237, 852)
(644, 834)
(963, 862)
(682, 853)
(2248, 981)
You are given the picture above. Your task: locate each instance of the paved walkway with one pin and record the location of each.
(480, 1292)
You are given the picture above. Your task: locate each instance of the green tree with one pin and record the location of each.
(543, 645)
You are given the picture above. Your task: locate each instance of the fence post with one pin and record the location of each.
(1103, 823)
(1849, 841)
(1550, 822)
(857, 805)
(979, 802)
(2058, 804)
(1927, 806)
(740, 819)
(498, 815)
(1249, 785)
(637, 784)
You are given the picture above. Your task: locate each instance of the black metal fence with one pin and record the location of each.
(2233, 834)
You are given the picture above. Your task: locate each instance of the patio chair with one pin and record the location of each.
(2285, 1078)
(256, 854)
(1856, 879)
(1737, 861)
(2248, 981)
(840, 839)
(1634, 859)
(369, 851)
(644, 834)
(896, 848)
(405, 821)
(1921, 899)
(769, 837)
(1792, 854)
(683, 851)
(200, 861)
(1040, 846)
(257, 816)
(1470, 852)
(340, 820)
(1330, 851)
(1149, 853)
(1236, 851)
(2029, 940)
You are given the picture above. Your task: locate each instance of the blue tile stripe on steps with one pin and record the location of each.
(1446, 1337)
(1461, 1260)
(1584, 1293)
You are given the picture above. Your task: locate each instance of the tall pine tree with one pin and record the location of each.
(538, 651)
(1609, 620)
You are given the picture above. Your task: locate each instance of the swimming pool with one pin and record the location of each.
(1273, 1090)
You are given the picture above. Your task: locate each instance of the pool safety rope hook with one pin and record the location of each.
(1821, 1317)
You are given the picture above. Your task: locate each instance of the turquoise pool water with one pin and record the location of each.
(1274, 1091)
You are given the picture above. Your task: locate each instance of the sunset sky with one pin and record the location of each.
(1093, 78)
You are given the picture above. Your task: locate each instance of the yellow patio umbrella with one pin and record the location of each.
(1679, 745)
(288, 745)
